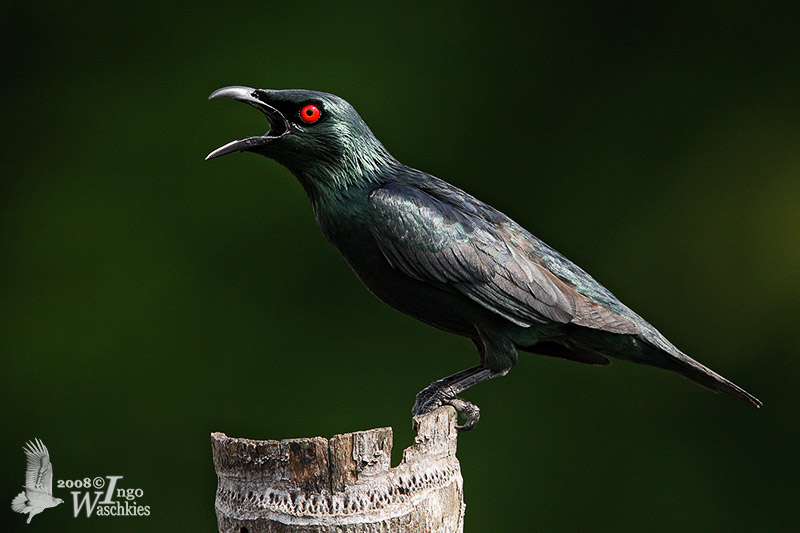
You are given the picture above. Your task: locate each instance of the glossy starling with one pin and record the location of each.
(438, 254)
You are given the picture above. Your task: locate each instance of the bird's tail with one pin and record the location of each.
(19, 502)
(651, 348)
(705, 377)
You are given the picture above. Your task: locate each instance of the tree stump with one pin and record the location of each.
(345, 484)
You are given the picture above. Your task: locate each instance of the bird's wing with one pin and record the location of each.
(440, 234)
(434, 240)
(39, 474)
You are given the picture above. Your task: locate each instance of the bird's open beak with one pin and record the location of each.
(278, 125)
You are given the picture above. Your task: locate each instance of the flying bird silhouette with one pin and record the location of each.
(440, 255)
(38, 493)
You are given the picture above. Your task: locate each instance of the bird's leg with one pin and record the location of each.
(446, 390)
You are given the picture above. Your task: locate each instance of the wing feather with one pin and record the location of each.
(432, 240)
(435, 232)
(39, 472)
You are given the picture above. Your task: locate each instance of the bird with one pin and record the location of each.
(38, 493)
(438, 254)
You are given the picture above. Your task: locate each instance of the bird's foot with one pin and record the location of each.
(427, 401)
(446, 391)
(470, 412)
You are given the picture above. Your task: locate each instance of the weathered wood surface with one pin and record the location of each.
(345, 484)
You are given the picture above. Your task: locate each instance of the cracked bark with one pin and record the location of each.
(343, 484)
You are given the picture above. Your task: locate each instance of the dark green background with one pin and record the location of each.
(150, 298)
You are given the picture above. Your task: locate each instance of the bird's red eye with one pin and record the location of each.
(310, 113)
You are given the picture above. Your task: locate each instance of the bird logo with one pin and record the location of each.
(38, 493)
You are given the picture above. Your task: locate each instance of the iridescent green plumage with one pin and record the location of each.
(438, 254)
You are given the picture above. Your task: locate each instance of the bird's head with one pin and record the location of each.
(318, 136)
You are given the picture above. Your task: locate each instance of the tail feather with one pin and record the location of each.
(651, 348)
(19, 502)
(705, 377)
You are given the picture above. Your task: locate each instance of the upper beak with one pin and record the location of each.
(278, 125)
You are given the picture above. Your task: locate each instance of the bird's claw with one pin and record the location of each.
(427, 401)
(470, 412)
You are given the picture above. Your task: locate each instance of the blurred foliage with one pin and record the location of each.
(148, 298)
